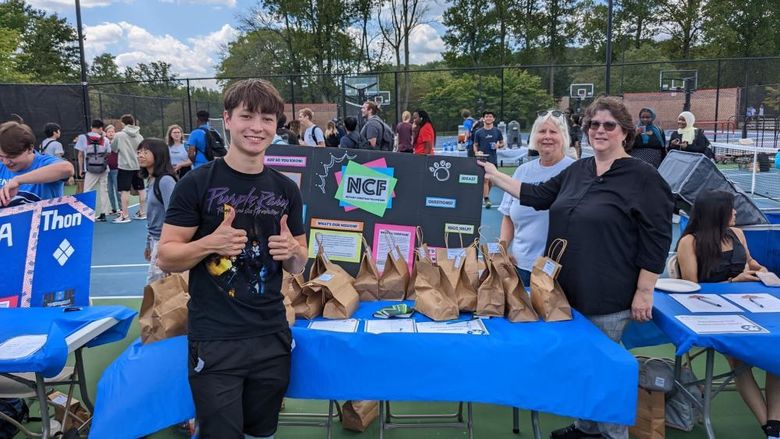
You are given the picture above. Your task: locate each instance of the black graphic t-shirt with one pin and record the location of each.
(236, 297)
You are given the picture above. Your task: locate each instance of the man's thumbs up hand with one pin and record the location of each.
(284, 245)
(228, 241)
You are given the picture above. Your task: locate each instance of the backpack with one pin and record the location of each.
(15, 409)
(384, 142)
(156, 187)
(359, 143)
(43, 146)
(96, 162)
(215, 146)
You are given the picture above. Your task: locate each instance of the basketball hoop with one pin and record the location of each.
(379, 99)
(582, 93)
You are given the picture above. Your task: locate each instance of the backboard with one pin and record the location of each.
(381, 97)
(354, 85)
(675, 80)
(581, 91)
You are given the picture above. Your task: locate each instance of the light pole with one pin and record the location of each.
(608, 69)
(83, 64)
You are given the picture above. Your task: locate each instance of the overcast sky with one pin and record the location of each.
(190, 34)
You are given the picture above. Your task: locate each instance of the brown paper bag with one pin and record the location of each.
(164, 309)
(518, 303)
(491, 300)
(289, 311)
(358, 415)
(341, 299)
(410, 294)
(395, 277)
(435, 297)
(454, 263)
(292, 286)
(310, 303)
(650, 416)
(367, 280)
(547, 297)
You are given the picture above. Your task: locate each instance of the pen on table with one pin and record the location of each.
(452, 322)
(705, 300)
(753, 300)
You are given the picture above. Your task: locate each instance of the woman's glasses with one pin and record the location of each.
(555, 113)
(608, 125)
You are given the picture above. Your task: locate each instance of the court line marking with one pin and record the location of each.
(120, 266)
(115, 297)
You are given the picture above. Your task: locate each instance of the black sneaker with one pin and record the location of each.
(101, 218)
(571, 432)
(487, 203)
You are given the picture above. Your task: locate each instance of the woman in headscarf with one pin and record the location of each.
(650, 141)
(688, 138)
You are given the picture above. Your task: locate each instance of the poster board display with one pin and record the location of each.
(46, 249)
(377, 193)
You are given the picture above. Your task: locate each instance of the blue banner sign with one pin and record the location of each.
(46, 249)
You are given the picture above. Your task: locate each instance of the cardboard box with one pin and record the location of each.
(78, 413)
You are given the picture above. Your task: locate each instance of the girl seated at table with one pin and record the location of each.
(711, 249)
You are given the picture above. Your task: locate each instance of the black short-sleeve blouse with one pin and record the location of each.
(615, 225)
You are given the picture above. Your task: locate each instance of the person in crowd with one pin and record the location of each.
(332, 136)
(197, 141)
(294, 126)
(622, 209)
(468, 125)
(524, 228)
(25, 175)
(239, 340)
(424, 133)
(711, 249)
(125, 143)
(404, 132)
(92, 153)
(155, 162)
(575, 132)
(286, 136)
(650, 141)
(180, 159)
(312, 134)
(375, 130)
(487, 141)
(353, 139)
(687, 137)
(51, 145)
(113, 169)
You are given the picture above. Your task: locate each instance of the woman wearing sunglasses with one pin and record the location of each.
(615, 211)
(522, 226)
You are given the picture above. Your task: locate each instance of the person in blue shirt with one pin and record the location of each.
(468, 124)
(196, 142)
(486, 141)
(25, 175)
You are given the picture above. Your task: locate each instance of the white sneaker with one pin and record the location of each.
(121, 220)
(139, 216)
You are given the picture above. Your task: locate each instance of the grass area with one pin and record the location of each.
(731, 417)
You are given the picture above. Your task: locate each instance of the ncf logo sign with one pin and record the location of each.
(366, 188)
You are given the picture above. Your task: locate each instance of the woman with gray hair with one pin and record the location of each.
(523, 228)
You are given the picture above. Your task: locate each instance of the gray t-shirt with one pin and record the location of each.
(53, 148)
(155, 208)
(374, 129)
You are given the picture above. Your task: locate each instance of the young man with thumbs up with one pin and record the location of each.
(235, 224)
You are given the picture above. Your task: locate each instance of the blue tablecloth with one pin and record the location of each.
(57, 324)
(568, 368)
(759, 350)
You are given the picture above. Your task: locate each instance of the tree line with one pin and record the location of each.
(306, 46)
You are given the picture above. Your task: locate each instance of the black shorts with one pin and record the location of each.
(126, 180)
(238, 385)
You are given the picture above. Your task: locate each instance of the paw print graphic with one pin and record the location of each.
(441, 170)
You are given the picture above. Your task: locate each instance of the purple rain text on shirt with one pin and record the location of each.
(254, 203)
